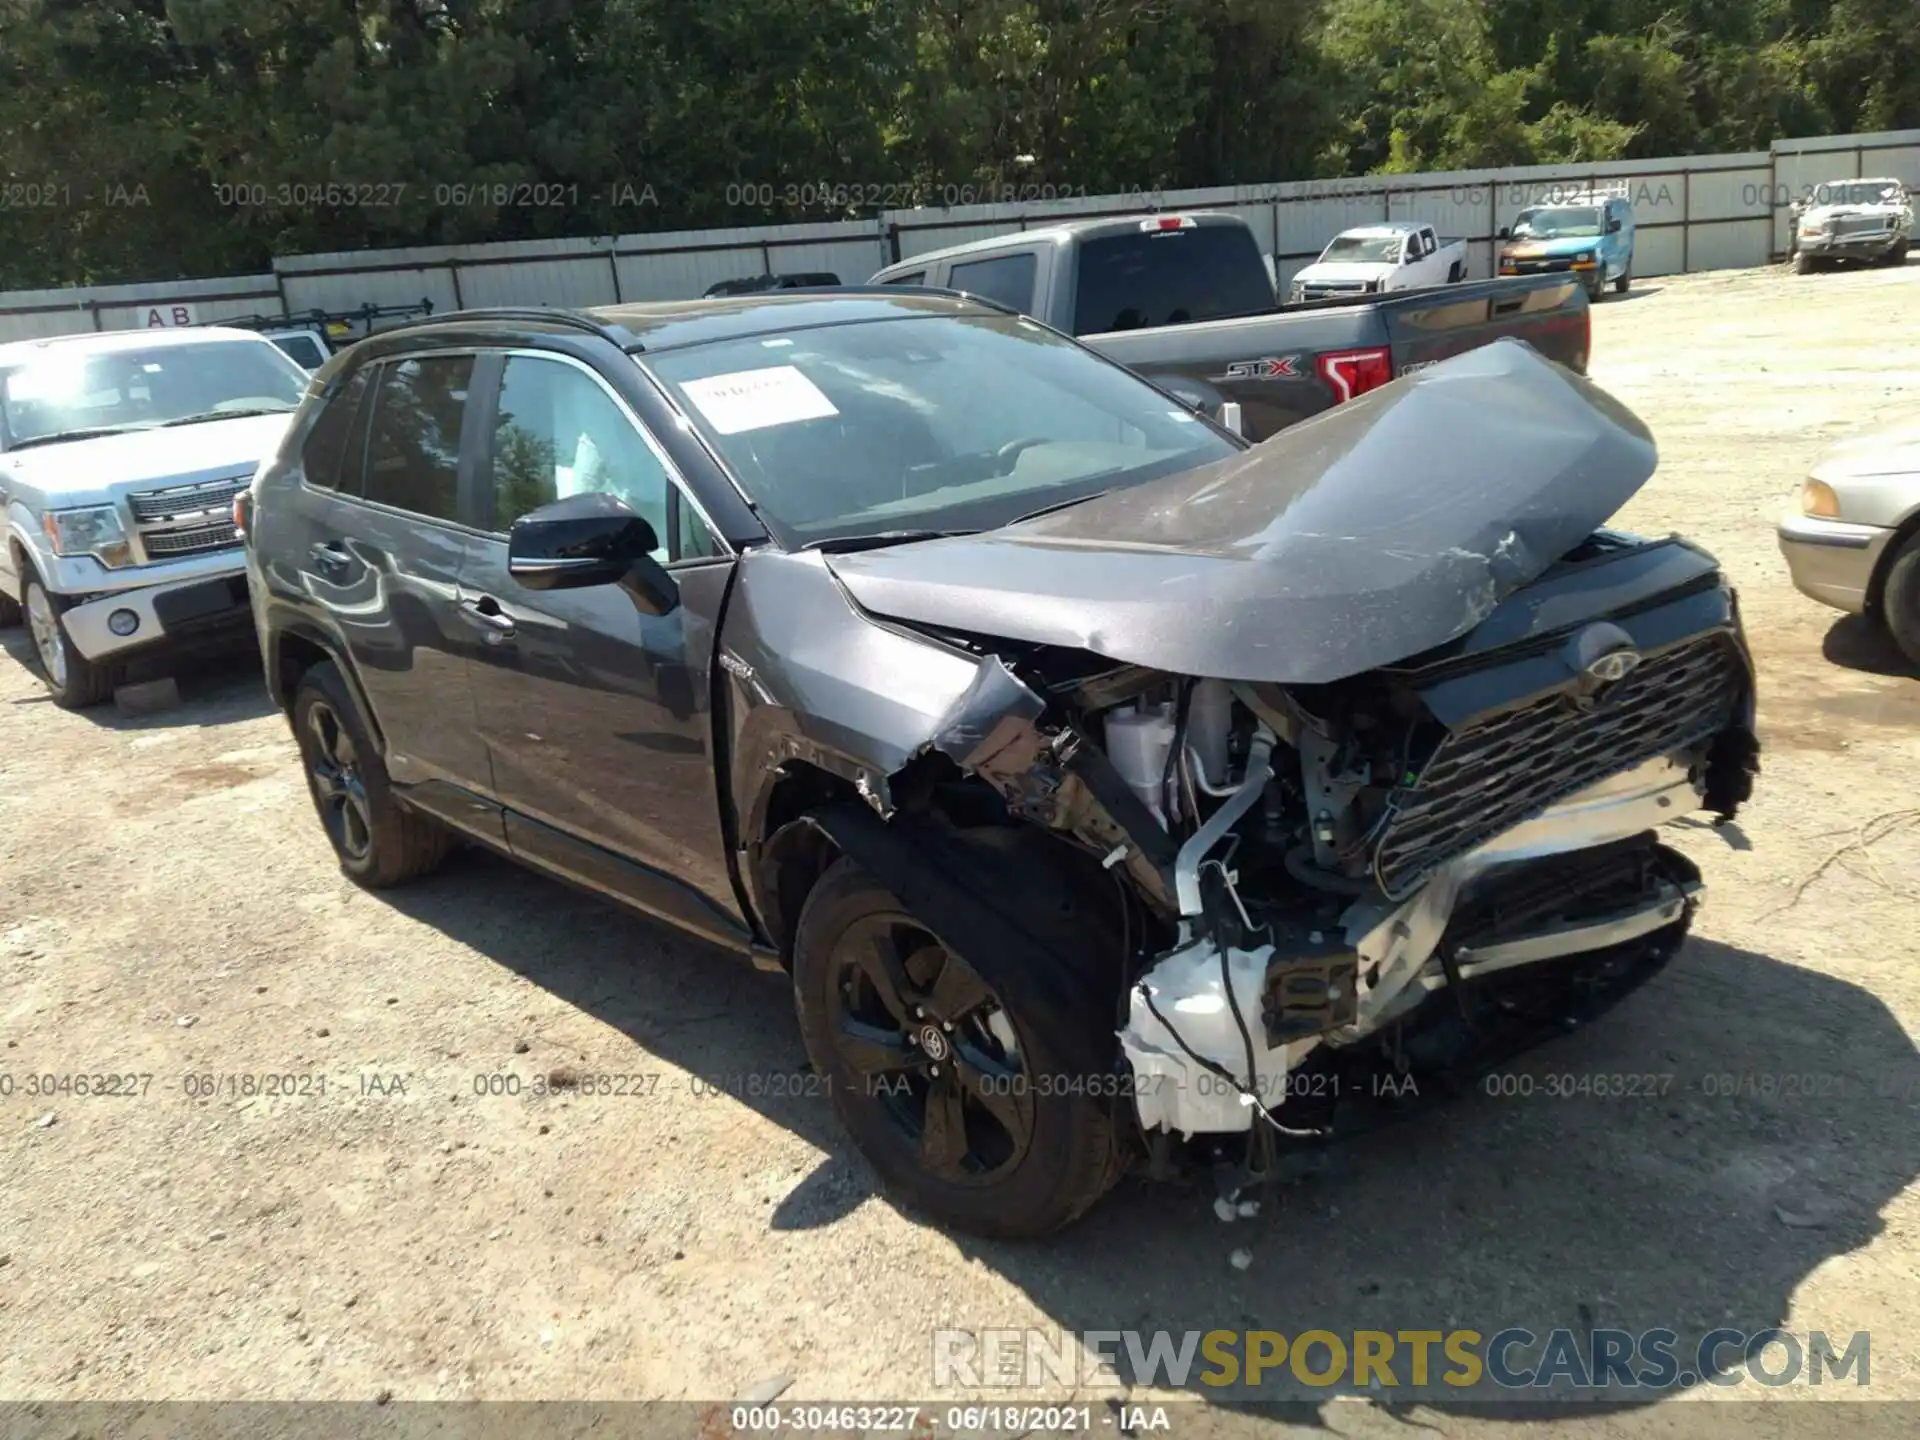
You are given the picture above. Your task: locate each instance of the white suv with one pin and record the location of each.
(120, 456)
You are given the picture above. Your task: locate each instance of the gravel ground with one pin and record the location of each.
(168, 908)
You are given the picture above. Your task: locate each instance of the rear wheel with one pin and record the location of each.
(73, 681)
(942, 1081)
(1900, 599)
(378, 841)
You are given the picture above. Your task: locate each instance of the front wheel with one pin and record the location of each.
(73, 681)
(378, 841)
(1897, 254)
(1900, 600)
(1803, 263)
(961, 1105)
(1622, 281)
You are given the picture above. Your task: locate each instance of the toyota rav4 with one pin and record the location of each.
(1108, 787)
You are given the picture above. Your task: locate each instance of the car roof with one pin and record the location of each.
(109, 341)
(1097, 227)
(652, 326)
(1386, 228)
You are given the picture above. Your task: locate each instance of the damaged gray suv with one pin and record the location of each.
(1113, 791)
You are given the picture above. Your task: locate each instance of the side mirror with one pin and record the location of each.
(1505, 232)
(590, 540)
(1613, 226)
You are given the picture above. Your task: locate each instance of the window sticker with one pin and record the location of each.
(758, 399)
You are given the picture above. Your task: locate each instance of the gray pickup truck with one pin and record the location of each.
(1186, 300)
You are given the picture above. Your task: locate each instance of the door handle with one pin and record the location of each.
(329, 555)
(485, 611)
(1505, 307)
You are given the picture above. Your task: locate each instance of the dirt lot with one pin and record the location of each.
(168, 908)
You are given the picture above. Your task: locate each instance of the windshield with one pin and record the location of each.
(1557, 224)
(926, 423)
(1372, 249)
(69, 391)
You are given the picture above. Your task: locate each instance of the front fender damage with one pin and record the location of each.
(1060, 781)
(970, 896)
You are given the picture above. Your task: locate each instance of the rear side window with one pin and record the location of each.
(1005, 278)
(324, 457)
(918, 277)
(1169, 277)
(413, 442)
(303, 350)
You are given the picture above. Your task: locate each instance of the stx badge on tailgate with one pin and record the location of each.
(1268, 367)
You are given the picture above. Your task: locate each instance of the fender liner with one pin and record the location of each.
(958, 890)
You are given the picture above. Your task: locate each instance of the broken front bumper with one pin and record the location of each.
(1868, 246)
(1181, 1079)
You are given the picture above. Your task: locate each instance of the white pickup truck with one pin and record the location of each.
(1370, 259)
(120, 455)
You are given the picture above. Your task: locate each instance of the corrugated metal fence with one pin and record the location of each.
(1704, 212)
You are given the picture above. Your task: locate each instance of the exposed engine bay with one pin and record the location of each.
(1307, 866)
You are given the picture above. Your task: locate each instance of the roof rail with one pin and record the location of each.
(530, 315)
(946, 290)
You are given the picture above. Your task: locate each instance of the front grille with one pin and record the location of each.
(1329, 292)
(1488, 778)
(190, 541)
(1860, 225)
(187, 519)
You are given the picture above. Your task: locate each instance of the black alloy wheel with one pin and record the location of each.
(339, 789)
(933, 1046)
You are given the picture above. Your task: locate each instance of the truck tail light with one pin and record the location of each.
(1354, 372)
(1168, 222)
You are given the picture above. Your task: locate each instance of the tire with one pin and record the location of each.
(1803, 263)
(1622, 281)
(10, 612)
(1900, 599)
(378, 841)
(1032, 1160)
(74, 682)
(1897, 255)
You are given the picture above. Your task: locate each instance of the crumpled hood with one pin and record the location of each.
(102, 469)
(1849, 210)
(1370, 533)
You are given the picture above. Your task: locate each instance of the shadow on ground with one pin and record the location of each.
(1753, 1119)
(1862, 644)
(220, 686)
